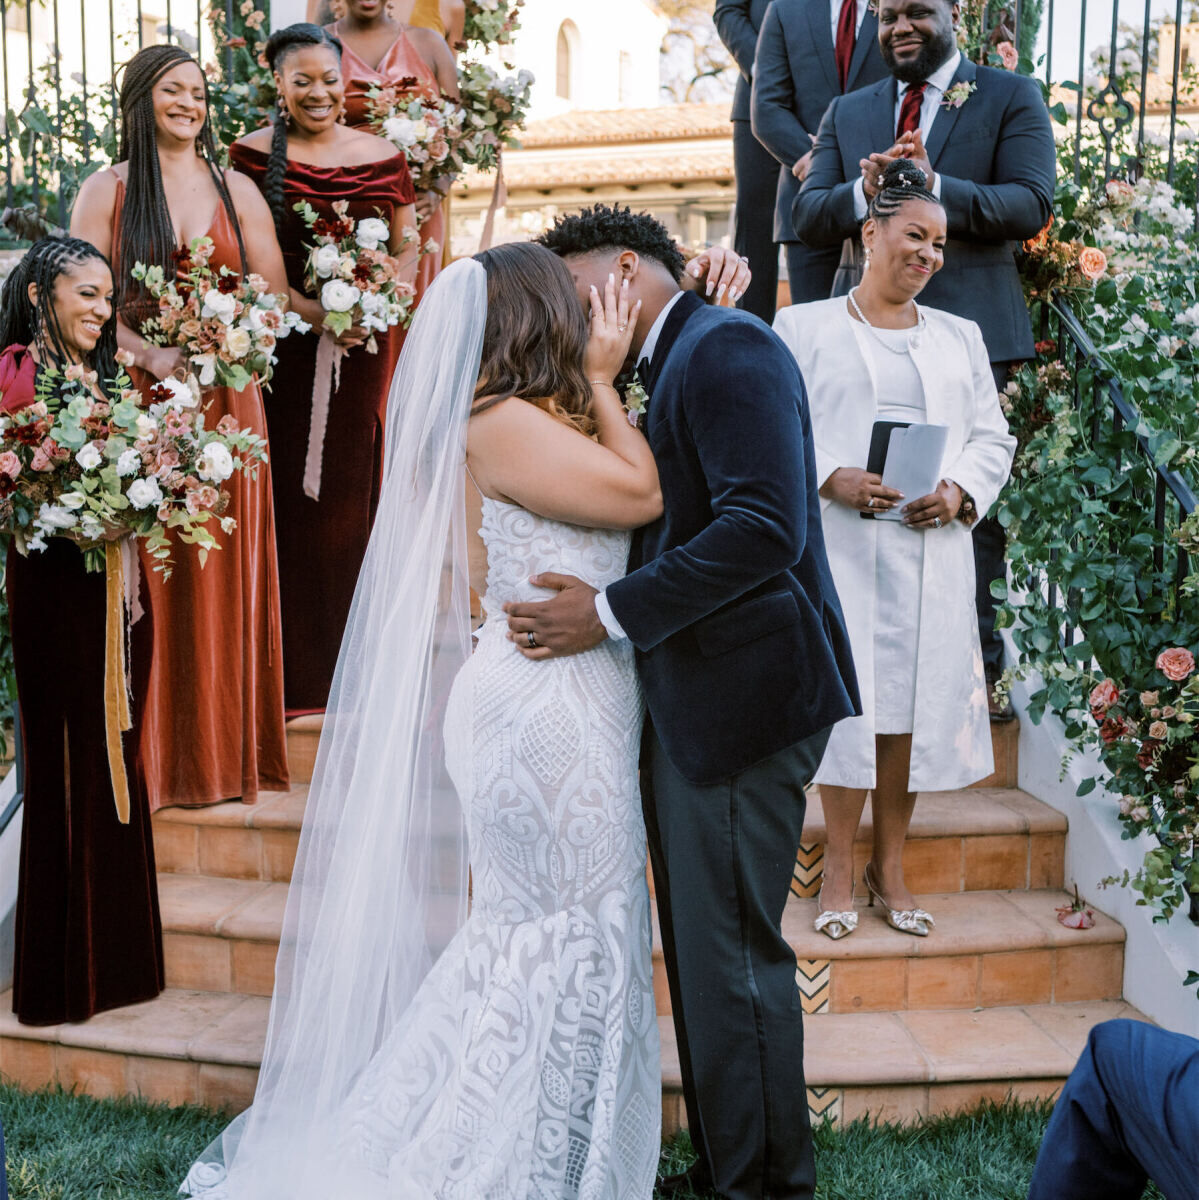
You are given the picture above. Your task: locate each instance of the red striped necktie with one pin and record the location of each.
(847, 36)
(909, 110)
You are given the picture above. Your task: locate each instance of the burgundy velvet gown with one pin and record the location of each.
(88, 933)
(322, 542)
(214, 727)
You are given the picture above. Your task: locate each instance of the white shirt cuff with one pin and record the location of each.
(604, 611)
(860, 206)
(937, 185)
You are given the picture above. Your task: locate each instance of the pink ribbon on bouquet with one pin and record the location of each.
(328, 379)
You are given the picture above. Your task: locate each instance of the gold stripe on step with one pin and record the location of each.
(809, 866)
(824, 1104)
(813, 976)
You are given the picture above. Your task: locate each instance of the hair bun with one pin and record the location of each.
(903, 174)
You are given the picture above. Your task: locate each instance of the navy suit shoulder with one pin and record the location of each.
(737, 23)
(729, 600)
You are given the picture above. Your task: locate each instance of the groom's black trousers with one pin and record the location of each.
(723, 857)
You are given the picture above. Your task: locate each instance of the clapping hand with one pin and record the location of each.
(716, 271)
(913, 148)
(874, 166)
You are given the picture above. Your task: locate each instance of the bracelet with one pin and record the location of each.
(602, 383)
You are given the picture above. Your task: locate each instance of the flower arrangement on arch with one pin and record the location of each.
(88, 458)
(491, 22)
(227, 326)
(351, 272)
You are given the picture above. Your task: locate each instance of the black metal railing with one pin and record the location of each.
(60, 71)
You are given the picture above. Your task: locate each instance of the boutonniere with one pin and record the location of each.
(635, 400)
(957, 95)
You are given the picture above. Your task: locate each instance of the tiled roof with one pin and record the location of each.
(670, 122)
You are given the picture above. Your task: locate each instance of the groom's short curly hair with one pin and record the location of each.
(610, 227)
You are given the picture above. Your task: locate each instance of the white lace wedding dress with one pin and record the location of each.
(527, 1067)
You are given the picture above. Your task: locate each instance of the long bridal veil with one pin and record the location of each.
(380, 882)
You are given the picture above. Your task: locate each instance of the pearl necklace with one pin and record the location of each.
(913, 341)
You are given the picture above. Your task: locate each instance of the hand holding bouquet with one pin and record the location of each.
(87, 461)
(226, 325)
(352, 273)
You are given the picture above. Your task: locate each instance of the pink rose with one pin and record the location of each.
(164, 512)
(207, 497)
(1008, 55)
(1176, 663)
(166, 462)
(1149, 699)
(73, 373)
(1158, 731)
(10, 464)
(1092, 262)
(1103, 696)
(227, 425)
(1119, 192)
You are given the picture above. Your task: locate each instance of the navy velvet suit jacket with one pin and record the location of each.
(795, 80)
(741, 643)
(738, 22)
(997, 162)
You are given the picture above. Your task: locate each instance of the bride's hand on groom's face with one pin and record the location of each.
(611, 324)
(567, 624)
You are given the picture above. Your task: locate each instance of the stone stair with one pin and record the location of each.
(999, 999)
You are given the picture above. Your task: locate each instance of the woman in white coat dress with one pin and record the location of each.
(907, 587)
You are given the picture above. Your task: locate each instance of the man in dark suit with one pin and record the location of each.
(738, 22)
(985, 142)
(1129, 1112)
(809, 51)
(743, 656)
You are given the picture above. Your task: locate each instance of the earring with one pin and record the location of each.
(866, 266)
(284, 112)
(341, 116)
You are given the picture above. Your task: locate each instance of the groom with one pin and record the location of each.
(745, 663)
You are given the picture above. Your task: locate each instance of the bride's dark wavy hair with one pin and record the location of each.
(536, 335)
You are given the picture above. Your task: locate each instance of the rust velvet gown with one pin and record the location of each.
(88, 933)
(322, 542)
(399, 63)
(213, 727)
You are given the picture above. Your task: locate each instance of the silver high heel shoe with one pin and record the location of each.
(833, 924)
(915, 921)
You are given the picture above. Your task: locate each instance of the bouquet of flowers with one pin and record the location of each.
(79, 464)
(428, 131)
(227, 326)
(492, 22)
(495, 110)
(351, 271)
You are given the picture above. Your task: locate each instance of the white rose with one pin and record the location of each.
(181, 396)
(220, 305)
(215, 463)
(228, 524)
(145, 493)
(373, 303)
(345, 268)
(420, 130)
(72, 500)
(252, 319)
(89, 458)
(55, 516)
(128, 463)
(371, 232)
(325, 259)
(400, 130)
(146, 425)
(337, 296)
(239, 342)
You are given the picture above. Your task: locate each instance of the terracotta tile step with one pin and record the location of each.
(988, 950)
(205, 1047)
(972, 840)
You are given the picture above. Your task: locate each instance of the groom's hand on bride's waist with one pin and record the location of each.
(566, 624)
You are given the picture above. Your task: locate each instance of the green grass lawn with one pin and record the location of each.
(65, 1147)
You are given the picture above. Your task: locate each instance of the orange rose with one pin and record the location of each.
(1092, 262)
(1176, 663)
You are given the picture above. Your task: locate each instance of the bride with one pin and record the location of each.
(416, 1052)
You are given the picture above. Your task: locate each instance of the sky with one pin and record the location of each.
(1067, 22)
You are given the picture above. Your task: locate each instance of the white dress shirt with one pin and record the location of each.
(835, 5)
(602, 607)
(934, 94)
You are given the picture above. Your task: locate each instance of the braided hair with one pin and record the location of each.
(25, 322)
(146, 233)
(901, 181)
(279, 45)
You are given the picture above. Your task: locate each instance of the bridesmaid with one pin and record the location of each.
(88, 934)
(378, 49)
(213, 729)
(308, 155)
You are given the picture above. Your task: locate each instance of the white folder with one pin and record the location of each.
(915, 455)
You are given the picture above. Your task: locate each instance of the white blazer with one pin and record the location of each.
(951, 738)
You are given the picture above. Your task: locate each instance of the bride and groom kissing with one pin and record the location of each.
(464, 1003)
